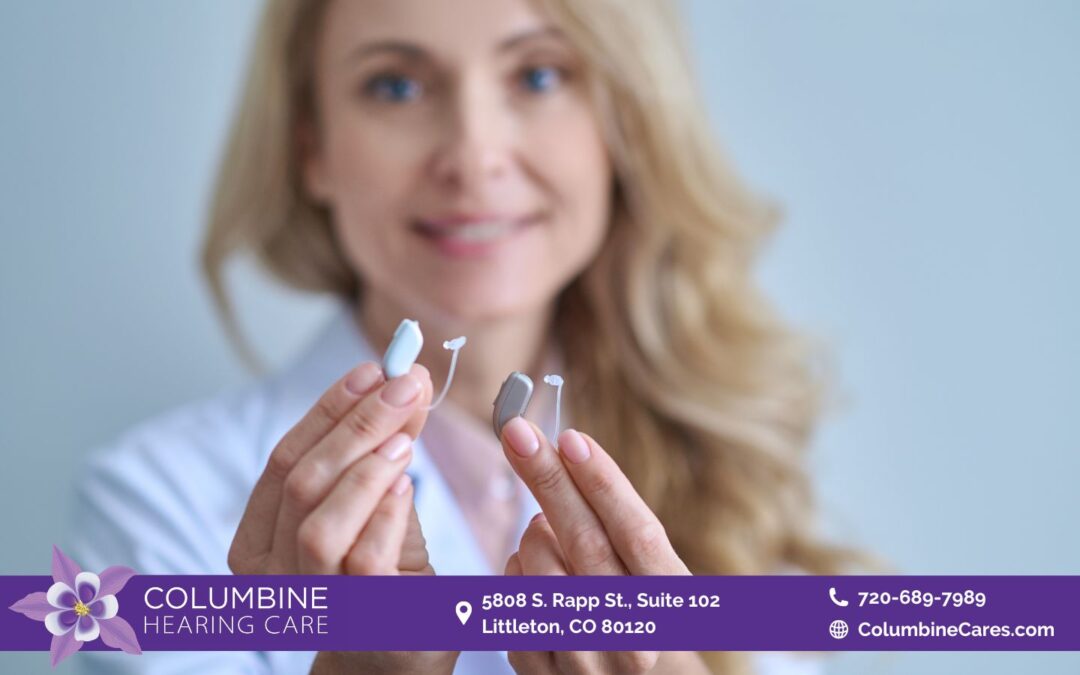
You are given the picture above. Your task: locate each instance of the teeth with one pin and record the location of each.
(475, 232)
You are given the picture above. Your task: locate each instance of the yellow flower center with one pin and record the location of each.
(81, 609)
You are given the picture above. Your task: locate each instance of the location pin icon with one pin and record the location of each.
(464, 611)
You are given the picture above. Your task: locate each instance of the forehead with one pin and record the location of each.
(450, 28)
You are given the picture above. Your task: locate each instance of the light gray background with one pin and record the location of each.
(925, 152)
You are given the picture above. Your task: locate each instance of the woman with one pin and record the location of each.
(538, 177)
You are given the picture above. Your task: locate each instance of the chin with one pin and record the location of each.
(473, 304)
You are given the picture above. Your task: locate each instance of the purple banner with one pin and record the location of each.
(309, 613)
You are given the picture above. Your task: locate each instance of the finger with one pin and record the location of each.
(325, 536)
(513, 566)
(393, 406)
(637, 534)
(364, 427)
(655, 662)
(419, 417)
(631, 662)
(532, 663)
(414, 553)
(539, 550)
(378, 549)
(580, 534)
(580, 663)
(254, 535)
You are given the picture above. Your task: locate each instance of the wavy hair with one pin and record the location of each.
(682, 368)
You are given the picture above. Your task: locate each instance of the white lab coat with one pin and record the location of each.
(167, 495)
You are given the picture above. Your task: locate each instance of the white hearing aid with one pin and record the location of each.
(514, 397)
(405, 348)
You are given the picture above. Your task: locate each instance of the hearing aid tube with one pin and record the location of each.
(557, 382)
(454, 346)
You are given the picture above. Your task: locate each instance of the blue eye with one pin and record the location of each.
(394, 88)
(542, 78)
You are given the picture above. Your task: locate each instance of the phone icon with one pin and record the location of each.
(835, 600)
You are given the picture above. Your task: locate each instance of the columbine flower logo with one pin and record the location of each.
(80, 607)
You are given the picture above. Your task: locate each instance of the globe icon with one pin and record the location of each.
(838, 629)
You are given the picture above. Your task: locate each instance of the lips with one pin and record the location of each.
(472, 228)
(456, 218)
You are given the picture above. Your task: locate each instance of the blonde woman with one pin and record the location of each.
(538, 177)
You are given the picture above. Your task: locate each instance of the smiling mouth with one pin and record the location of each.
(479, 231)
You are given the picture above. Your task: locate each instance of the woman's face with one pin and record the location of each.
(459, 153)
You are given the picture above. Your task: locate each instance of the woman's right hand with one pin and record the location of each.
(334, 498)
(324, 504)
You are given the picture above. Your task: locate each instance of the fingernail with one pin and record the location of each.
(521, 437)
(573, 446)
(401, 391)
(538, 517)
(363, 378)
(401, 484)
(394, 447)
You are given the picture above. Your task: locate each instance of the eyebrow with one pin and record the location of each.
(412, 51)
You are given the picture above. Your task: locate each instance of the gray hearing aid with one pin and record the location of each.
(513, 398)
(403, 350)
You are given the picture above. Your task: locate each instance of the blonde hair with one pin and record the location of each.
(681, 368)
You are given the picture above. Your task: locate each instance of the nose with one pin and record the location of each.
(474, 146)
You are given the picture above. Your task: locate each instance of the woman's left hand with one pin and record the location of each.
(593, 523)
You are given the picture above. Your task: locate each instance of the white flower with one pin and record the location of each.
(79, 609)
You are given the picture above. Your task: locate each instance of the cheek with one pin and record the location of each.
(571, 156)
(374, 175)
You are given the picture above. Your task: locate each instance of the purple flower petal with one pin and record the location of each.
(62, 647)
(60, 596)
(86, 586)
(60, 621)
(118, 634)
(87, 629)
(104, 607)
(64, 568)
(113, 579)
(34, 606)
